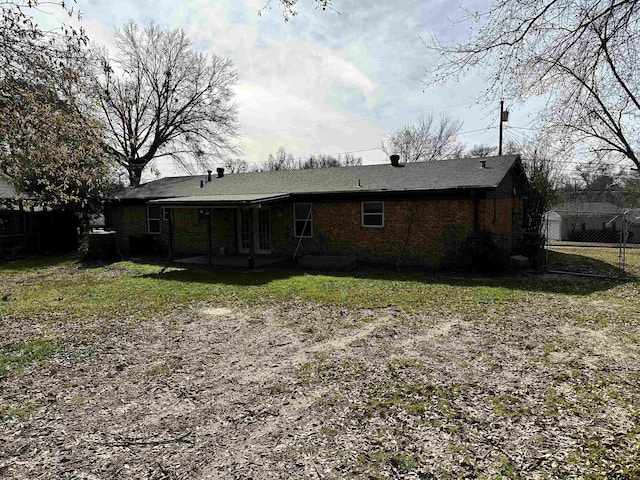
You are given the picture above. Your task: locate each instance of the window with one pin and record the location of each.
(166, 214)
(154, 216)
(302, 220)
(373, 214)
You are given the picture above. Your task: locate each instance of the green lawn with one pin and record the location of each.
(372, 374)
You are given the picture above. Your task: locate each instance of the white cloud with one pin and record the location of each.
(351, 76)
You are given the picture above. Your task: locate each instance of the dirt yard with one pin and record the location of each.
(302, 390)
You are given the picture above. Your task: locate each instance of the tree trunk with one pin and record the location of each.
(135, 174)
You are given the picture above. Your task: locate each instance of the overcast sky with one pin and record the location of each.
(325, 82)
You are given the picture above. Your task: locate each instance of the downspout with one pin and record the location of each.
(412, 213)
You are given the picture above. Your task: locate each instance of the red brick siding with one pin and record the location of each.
(436, 224)
(496, 215)
(131, 220)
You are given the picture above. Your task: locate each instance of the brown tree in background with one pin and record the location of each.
(425, 141)
(160, 98)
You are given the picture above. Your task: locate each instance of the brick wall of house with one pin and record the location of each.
(497, 215)
(439, 227)
(284, 242)
(130, 224)
(223, 231)
(190, 235)
(438, 231)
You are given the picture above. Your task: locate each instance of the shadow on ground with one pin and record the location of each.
(530, 281)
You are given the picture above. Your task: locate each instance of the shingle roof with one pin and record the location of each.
(466, 173)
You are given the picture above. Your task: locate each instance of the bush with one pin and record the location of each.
(480, 254)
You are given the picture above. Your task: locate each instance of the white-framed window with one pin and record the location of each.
(302, 220)
(154, 217)
(372, 214)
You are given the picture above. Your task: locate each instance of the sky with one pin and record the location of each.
(325, 82)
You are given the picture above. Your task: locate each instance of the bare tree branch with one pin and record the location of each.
(425, 141)
(162, 98)
(582, 55)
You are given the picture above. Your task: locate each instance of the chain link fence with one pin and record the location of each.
(590, 238)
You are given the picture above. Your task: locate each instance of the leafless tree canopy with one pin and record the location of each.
(480, 151)
(582, 54)
(284, 160)
(161, 98)
(542, 162)
(330, 161)
(281, 161)
(427, 140)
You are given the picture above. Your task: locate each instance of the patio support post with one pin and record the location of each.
(170, 235)
(252, 247)
(209, 237)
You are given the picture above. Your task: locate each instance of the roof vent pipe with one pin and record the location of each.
(395, 159)
(201, 183)
(209, 172)
(483, 164)
(220, 172)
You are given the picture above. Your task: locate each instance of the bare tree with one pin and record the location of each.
(283, 161)
(425, 141)
(279, 162)
(582, 54)
(160, 98)
(541, 159)
(480, 151)
(598, 181)
(236, 165)
(329, 161)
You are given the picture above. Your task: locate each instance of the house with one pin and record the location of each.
(598, 222)
(420, 213)
(28, 227)
(581, 221)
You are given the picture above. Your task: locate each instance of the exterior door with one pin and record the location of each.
(244, 230)
(260, 220)
(263, 230)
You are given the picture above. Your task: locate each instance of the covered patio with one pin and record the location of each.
(252, 231)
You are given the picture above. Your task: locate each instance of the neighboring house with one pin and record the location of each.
(600, 222)
(26, 227)
(422, 212)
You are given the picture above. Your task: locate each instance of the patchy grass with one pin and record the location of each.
(14, 358)
(286, 374)
(129, 289)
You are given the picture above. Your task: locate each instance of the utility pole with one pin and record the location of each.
(504, 117)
